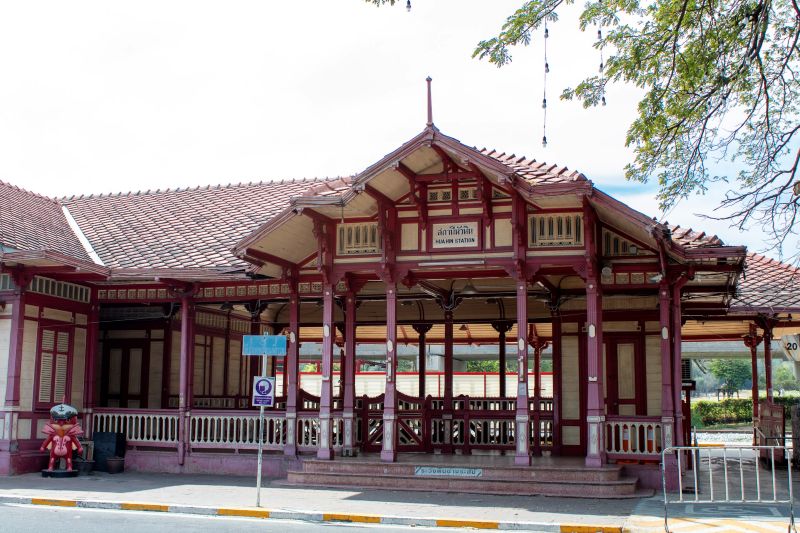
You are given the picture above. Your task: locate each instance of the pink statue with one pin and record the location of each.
(62, 435)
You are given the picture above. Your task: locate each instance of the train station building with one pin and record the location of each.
(132, 308)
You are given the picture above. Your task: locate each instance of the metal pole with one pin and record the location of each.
(260, 437)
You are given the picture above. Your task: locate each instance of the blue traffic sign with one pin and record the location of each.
(272, 345)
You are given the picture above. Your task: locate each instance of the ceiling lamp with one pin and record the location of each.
(469, 289)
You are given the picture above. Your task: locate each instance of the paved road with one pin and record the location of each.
(34, 519)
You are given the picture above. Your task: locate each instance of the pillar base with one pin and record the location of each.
(522, 460)
(290, 450)
(594, 462)
(325, 454)
(389, 456)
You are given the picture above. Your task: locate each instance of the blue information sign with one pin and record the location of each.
(263, 391)
(272, 345)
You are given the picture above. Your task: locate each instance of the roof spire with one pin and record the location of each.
(430, 106)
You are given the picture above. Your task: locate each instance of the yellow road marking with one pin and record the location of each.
(251, 513)
(367, 519)
(59, 503)
(144, 507)
(590, 529)
(477, 524)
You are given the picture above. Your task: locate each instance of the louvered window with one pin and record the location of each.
(54, 358)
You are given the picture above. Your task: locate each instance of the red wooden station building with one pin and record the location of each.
(132, 307)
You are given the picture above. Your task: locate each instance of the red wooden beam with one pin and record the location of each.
(269, 258)
(418, 192)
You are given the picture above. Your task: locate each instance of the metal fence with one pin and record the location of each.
(727, 475)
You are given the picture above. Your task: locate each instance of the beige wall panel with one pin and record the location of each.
(630, 302)
(653, 374)
(571, 435)
(502, 232)
(501, 208)
(56, 314)
(569, 327)
(24, 429)
(81, 319)
(156, 333)
(236, 351)
(200, 366)
(30, 337)
(31, 311)
(620, 326)
(78, 367)
(155, 375)
(234, 367)
(127, 334)
(440, 212)
(5, 340)
(409, 236)
(470, 211)
(218, 366)
(652, 325)
(570, 386)
(175, 364)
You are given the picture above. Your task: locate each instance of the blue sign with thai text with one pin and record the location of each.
(271, 345)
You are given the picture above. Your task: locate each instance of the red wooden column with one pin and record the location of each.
(768, 359)
(595, 408)
(325, 450)
(349, 372)
(185, 394)
(538, 347)
(502, 328)
(447, 412)
(92, 336)
(291, 370)
(523, 453)
(422, 330)
(677, 347)
(667, 397)
(389, 451)
(16, 339)
(752, 341)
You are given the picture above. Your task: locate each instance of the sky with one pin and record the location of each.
(101, 97)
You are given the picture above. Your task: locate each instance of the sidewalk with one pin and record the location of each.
(226, 495)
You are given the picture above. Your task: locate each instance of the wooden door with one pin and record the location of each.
(625, 387)
(125, 373)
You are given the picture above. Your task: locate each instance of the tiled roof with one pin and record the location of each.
(688, 238)
(33, 222)
(767, 285)
(331, 187)
(180, 228)
(535, 172)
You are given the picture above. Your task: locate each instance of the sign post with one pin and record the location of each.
(263, 385)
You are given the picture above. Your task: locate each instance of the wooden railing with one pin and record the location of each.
(631, 436)
(151, 427)
(235, 430)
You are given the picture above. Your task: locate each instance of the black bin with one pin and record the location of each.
(107, 444)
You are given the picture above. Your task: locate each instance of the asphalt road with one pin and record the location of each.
(35, 519)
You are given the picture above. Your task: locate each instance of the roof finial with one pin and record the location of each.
(430, 107)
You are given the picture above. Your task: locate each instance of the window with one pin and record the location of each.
(54, 359)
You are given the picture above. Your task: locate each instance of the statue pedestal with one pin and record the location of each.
(60, 473)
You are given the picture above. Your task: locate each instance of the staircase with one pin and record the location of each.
(568, 480)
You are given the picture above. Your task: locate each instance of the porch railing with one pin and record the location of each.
(634, 436)
(152, 427)
(227, 429)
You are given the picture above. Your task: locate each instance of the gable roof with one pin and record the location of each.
(32, 222)
(179, 228)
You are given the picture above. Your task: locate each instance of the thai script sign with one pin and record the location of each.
(445, 471)
(263, 391)
(455, 235)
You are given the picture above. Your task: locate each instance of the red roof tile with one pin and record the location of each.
(767, 285)
(535, 172)
(180, 228)
(33, 222)
(688, 238)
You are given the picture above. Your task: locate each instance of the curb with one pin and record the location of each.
(314, 517)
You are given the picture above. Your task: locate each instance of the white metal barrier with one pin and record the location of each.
(738, 478)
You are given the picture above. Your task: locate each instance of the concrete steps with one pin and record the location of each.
(569, 481)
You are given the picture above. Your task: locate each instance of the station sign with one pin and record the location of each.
(269, 345)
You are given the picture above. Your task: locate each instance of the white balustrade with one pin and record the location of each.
(307, 432)
(491, 432)
(634, 436)
(152, 427)
(229, 430)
